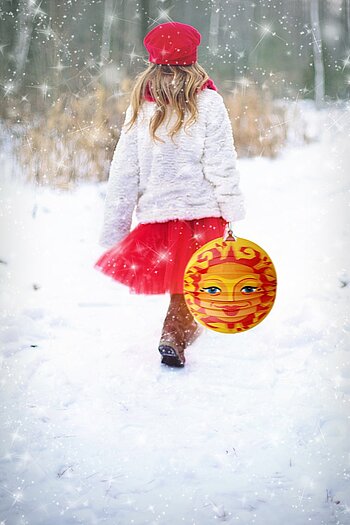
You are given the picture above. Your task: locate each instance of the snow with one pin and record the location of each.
(254, 429)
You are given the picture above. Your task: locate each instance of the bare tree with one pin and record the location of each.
(134, 47)
(214, 27)
(23, 37)
(317, 52)
(145, 17)
(106, 31)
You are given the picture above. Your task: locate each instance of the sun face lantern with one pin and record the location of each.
(230, 284)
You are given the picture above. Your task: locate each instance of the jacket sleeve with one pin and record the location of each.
(122, 187)
(219, 162)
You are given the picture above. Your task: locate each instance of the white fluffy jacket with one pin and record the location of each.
(194, 178)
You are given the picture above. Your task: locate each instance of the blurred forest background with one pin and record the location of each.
(67, 69)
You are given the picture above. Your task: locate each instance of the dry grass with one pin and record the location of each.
(259, 125)
(74, 140)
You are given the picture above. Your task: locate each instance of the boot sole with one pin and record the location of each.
(170, 357)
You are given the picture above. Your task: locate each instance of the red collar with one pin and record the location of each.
(208, 84)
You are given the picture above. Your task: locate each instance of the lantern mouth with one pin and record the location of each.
(231, 310)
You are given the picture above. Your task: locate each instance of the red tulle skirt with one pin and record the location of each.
(152, 258)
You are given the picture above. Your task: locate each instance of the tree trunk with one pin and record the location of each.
(133, 41)
(214, 28)
(106, 31)
(318, 54)
(22, 41)
(145, 20)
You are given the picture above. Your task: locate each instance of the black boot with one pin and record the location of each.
(179, 331)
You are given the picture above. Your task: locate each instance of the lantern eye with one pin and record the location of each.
(249, 289)
(211, 290)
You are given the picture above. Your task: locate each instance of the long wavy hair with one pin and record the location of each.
(169, 85)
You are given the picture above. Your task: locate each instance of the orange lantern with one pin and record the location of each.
(230, 284)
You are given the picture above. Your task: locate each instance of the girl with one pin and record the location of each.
(185, 190)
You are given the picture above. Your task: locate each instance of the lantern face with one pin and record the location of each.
(230, 285)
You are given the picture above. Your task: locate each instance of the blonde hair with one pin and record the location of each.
(172, 85)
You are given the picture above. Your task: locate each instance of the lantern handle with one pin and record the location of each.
(228, 233)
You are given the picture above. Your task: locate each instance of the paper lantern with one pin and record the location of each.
(230, 284)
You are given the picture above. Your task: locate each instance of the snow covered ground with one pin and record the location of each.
(254, 429)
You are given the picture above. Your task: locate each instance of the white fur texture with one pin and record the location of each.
(191, 177)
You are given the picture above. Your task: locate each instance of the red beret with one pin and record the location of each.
(172, 43)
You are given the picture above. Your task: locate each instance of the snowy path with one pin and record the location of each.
(254, 430)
